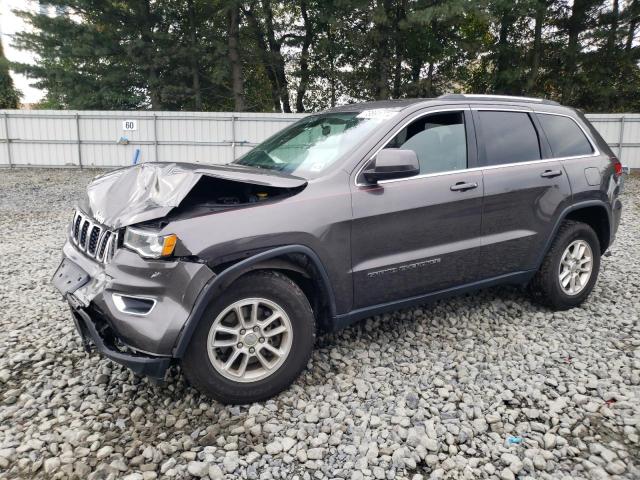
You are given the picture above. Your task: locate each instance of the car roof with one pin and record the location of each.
(401, 104)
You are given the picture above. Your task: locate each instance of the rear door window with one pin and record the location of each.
(508, 137)
(565, 137)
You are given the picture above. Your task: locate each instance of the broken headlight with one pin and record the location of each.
(148, 243)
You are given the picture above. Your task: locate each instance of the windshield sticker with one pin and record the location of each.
(379, 113)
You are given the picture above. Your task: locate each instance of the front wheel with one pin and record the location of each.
(253, 341)
(570, 269)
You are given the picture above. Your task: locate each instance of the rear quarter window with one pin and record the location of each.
(565, 137)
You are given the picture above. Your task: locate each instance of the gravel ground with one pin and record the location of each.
(484, 386)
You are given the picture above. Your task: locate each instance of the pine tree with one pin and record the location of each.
(268, 55)
(9, 95)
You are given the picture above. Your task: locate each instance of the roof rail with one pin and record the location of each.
(502, 98)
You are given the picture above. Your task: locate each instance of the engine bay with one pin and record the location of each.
(216, 193)
(212, 194)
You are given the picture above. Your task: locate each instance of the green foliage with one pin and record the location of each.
(307, 55)
(9, 95)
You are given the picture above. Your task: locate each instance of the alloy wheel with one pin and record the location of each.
(575, 269)
(249, 340)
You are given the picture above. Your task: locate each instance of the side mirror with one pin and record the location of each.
(393, 163)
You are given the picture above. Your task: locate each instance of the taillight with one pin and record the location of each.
(617, 166)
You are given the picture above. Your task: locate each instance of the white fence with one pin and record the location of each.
(101, 139)
(622, 132)
(47, 138)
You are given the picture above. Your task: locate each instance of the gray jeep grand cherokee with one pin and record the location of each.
(229, 270)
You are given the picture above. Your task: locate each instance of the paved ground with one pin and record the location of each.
(429, 392)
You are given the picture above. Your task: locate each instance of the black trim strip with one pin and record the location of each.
(342, 321)
(217, 284)
(563, 216)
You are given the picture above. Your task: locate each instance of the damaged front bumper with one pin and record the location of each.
(94, 331)
(132, 309)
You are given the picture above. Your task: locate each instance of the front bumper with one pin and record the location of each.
(144, 343)
(95, 331)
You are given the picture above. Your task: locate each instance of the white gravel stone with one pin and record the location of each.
(230, 463)
(435, 390)
(51, 465)
(549, 441)
(274, 448)
(104, 452)
(507, 474)
(315, 453)
(134, 476)
(287, 444)
(198, 469)
(215, 473)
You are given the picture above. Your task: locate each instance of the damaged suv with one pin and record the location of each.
(230, 270)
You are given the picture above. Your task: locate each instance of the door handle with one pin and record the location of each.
(463, 186)
(551, 173)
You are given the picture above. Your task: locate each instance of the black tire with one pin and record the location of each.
(270, 285)
(545, 286)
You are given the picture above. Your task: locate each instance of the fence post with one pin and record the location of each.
(233, 137)
(621, 137)
(155, 136)
(78, 140)
(6, 131)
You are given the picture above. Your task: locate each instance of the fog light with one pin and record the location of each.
(133, 305)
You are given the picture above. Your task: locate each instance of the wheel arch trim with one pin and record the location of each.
(218, 283)
(562, 217)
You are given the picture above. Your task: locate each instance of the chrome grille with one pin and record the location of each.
(103, 245)
(83, 234)
(92, 238)
(76, 226)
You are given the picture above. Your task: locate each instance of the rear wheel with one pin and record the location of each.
(570, 268)
(253, 341)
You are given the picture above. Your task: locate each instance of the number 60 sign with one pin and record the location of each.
(129, 125)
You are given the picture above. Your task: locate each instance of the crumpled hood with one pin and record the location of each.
(151, 190)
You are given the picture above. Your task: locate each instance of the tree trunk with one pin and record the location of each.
(612, 34)
(283, 86)
(502, 83)
(416, 67)
(332, 67)
(397, 77)
(277, 58)
(399, 43)
(429, 87)
(154, 89)
(633, 23)
(536, 54)
(575, 27)
(630, 35)
(382, 60)
(610, 56)
(153, 82)
(304, 58)
(237, 83)
(265, 56)
(195, 67)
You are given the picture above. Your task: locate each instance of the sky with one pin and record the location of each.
(9, 25)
